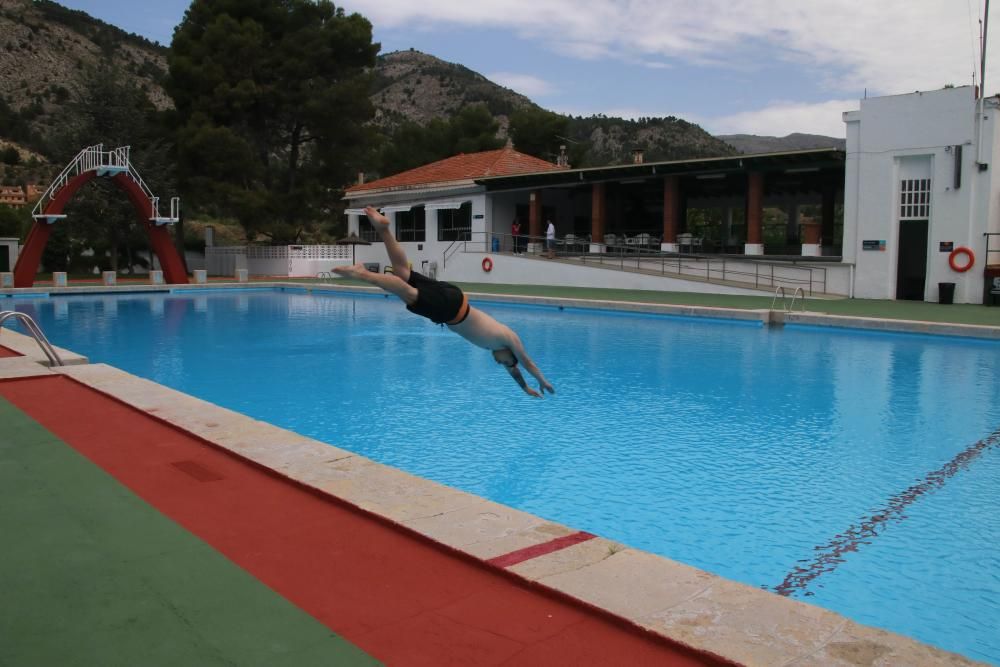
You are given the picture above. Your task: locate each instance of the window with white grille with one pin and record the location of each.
(915, 199)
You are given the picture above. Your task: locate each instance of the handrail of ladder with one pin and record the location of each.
(36, 333)
(785, 306)
(797, 292)
(779, 290)
(59, 181)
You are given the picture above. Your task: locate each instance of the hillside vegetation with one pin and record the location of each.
(47, 51)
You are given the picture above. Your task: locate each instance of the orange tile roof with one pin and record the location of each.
(465, 166)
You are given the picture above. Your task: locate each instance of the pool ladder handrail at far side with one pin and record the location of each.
(35, 332)
(785, 305)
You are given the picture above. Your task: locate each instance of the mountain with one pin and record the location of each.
(47, 51)
(415, 86)
(750, 144)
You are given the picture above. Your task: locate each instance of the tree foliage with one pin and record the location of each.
(271, 103)
(472, 130)
(538, 132)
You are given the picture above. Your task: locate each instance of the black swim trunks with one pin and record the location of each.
(440, 302)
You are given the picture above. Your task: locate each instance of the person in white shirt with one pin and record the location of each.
(550, 240)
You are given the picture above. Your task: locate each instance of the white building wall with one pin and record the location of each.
(888, 138)
(508, 270)
(421, 253)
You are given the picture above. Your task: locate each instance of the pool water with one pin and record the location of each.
(857, 471)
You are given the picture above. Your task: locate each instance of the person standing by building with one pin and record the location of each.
(515, 232)
(550, 239)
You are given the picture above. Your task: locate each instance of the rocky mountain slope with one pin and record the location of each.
(752, 143)
(47, 50)
(415, 86)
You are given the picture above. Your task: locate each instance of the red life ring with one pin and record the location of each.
(487, 264)
(961, 250)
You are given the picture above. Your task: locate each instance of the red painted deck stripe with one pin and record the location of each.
(527, 553)
(7, 352)
(402, 599)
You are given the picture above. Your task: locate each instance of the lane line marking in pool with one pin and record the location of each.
(832, 554)
(527, 553)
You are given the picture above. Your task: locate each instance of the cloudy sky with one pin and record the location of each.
(767, 67)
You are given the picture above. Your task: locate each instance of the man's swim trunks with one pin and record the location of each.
(440, 302)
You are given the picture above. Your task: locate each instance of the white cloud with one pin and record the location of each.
(783, 118)
(522, 83)
(887, 46)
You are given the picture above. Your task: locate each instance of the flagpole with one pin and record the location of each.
(982, 65)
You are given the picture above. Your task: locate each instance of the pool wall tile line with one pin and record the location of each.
(894, 326)
(742, 623)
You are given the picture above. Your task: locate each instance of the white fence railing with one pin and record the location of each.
(296, 260)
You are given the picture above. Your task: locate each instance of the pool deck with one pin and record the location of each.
(590, 595)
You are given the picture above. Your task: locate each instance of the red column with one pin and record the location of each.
(671, 208)
(598, 212)
(31, 254)
(160, 240)
(755, 208)
(534, 216)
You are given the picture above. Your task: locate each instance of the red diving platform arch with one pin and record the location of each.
(90, 163)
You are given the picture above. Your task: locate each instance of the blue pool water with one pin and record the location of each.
(819, 462)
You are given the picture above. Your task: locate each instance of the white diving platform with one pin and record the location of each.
(49, 218)
(104, 163)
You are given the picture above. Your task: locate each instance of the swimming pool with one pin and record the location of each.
(852, 470)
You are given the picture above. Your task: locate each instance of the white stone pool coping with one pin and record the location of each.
(742, 623)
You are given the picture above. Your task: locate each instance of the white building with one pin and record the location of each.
(918, 187)
(921, 182)
(435, 206)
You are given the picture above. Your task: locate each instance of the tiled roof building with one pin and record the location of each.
(13, 195)
(464, 167)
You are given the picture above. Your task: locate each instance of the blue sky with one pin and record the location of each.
(769, 67)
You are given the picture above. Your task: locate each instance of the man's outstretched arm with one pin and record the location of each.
(517, 348)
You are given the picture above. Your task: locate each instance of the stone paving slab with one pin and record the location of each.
(28, 347)
(742, 623)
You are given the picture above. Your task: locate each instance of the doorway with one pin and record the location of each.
(911, 266)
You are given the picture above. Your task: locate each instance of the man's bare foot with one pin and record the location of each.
(354, 271)
(379, 221)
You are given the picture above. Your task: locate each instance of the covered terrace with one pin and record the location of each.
(777, 204)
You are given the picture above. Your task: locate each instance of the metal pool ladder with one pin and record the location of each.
(36, 333)
(785, 306)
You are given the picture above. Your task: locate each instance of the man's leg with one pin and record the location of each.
(389, 282)
(400, 264)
